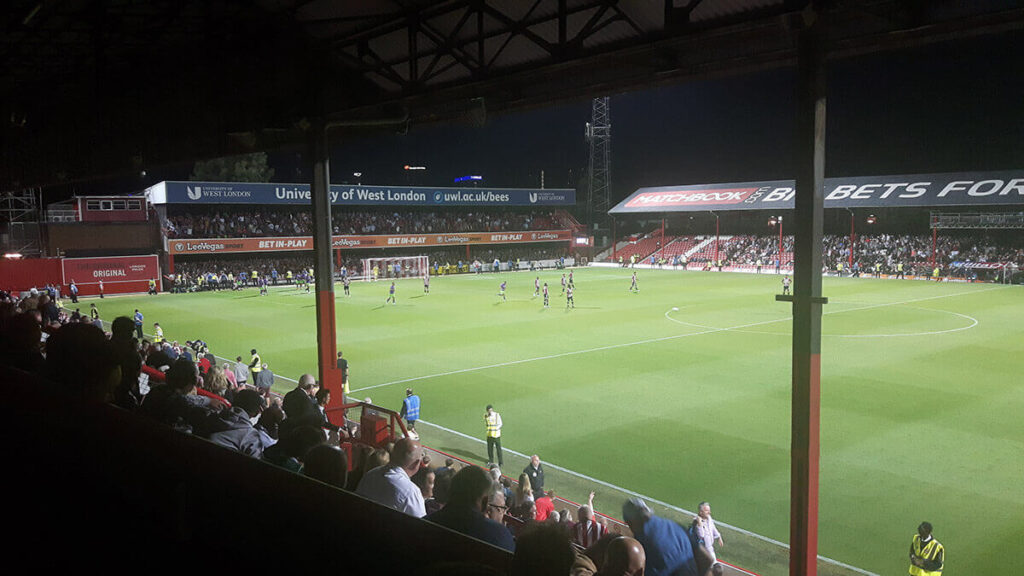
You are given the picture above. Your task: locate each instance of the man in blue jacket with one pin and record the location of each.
(667, 544)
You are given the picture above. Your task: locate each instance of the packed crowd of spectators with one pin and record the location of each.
(293, 221)
(956, 255)
(186, 389)
(187, 272)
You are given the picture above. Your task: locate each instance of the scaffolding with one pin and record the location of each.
(599, 135)
(20, 232)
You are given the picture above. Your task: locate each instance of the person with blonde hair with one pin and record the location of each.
(216, 381)
(523, 492)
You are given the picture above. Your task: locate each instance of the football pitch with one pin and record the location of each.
(681, 393)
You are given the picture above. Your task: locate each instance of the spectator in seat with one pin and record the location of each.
(81, 360)
(269, 424)
(300, 405)
(588, 530)
(543, 550)
(496, 507)
(391, 485)
(618, 556)
(327, 464)
(157, 358)
(523, 493)
(424, 480)
(234, 428)
(472, 489)
(442, 487)
(215, 381)
(667, 544)
(22, 343)
(449, 464)
(290, 451)
(545, 505)
(175, 401)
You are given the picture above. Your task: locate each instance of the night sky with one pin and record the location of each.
(954, 106)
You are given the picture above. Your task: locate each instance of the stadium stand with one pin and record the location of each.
(969, 256)
(226, 222)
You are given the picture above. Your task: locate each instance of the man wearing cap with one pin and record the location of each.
(493, 421)
(235, 428)
(667, 544)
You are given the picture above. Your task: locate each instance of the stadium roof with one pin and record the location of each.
(914, 190)
(107, 87)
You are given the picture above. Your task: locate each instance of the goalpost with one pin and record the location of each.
(395, 267)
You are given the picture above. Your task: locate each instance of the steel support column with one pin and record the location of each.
(807, 300)
(323, 267)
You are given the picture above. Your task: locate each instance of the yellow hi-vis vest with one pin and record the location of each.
(931, 551)
(257, 366)
(493, 421)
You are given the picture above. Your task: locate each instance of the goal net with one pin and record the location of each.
(395, 267)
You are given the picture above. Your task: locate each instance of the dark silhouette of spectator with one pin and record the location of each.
(290, 451)
(616, 555)
(327, 464)
(269, 424)
(22, 343)
(442, 487)
(542, 550)
(81, 360)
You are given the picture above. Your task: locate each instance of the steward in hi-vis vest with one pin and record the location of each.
(926, 554)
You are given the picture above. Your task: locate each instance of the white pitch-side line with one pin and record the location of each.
(652, 340)
(646, 498)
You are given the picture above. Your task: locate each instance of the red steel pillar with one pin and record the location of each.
(852, 239)
(780, 241)
(326, 330)
(662, 251)
(615, 244)
(807, 299)
(716, 240)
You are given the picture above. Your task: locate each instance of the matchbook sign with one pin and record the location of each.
(920, 190)
(293, 243)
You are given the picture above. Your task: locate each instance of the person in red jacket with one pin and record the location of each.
(545, 506)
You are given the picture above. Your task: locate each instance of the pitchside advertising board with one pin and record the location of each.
(119, 274)
(916, 190)
(344, 195)
(177, 247)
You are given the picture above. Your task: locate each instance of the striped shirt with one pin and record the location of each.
(586, 533)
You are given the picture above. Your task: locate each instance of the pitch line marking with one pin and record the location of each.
(974, 322)
(648, 341)
(648, 498)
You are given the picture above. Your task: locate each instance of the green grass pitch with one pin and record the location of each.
(921, 404)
